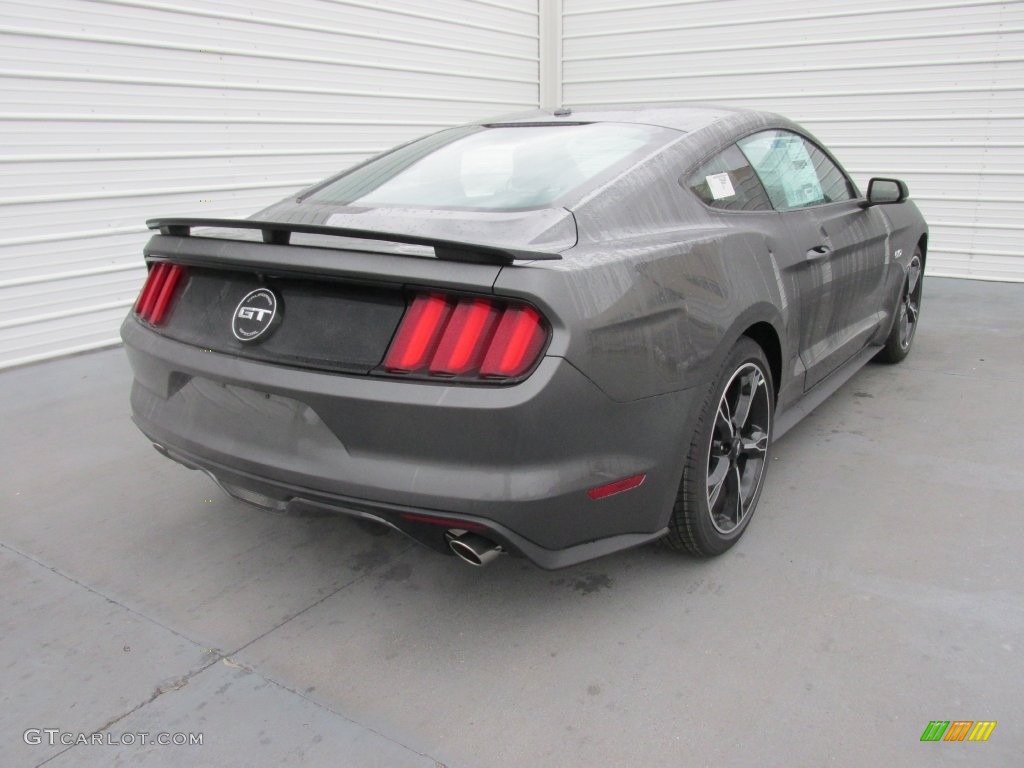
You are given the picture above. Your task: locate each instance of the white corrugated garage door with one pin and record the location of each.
(115, 111)
(932, 92)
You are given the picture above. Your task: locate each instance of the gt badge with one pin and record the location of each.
(255, 316)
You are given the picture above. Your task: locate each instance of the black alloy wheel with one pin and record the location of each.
(728, 456)
(907, 313)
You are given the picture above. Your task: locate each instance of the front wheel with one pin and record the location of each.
(728, 456)
(897, 345)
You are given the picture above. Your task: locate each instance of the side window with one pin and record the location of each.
(727, 181)
(795, 173)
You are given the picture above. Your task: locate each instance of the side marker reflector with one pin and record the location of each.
(619, 486)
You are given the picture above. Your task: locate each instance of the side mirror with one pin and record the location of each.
(885, 191)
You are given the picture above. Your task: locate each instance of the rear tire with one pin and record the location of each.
(728, 456)
(908, 311)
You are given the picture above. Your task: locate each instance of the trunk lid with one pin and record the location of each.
(338, 300)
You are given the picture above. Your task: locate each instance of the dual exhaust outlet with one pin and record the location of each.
(471, 548)
(468, 547)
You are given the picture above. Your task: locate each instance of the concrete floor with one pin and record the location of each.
(878, 588)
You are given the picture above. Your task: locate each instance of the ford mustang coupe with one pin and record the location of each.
(554, 335)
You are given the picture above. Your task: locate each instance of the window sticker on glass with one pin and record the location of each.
(801, 185)
(785, 167)
(720, 185)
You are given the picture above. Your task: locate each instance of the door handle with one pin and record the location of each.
(818, 252)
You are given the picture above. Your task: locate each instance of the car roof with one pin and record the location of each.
(681, 117)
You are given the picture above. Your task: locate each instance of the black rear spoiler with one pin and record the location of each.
(280, 232)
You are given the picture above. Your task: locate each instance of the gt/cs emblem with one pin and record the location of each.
(255, 316)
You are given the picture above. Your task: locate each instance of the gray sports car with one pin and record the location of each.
(554, 335)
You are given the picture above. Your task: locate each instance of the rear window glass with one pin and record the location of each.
(495, 168)
(727, 181)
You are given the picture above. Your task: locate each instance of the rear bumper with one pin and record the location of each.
(517, 460)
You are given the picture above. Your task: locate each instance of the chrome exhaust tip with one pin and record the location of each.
(472, 549)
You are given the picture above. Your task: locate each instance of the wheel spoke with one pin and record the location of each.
(912, 311)
(756, 444)
(913, 275)
(736, 492)
(724, 419)
(749, 385)
(716, 480)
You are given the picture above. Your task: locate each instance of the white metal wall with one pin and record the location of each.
(115, 111)
(925, 90)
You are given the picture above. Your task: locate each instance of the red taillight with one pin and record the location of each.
(155, 299)
(466, 337)
(148, 296)
(418, 335)
(516, 344)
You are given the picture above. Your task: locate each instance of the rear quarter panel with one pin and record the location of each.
(657, 290)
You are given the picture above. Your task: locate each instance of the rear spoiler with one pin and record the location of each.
(280, 232)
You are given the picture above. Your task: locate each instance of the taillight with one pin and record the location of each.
(467, 338)
(155, 299)
(418, 334)
(516, 343)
